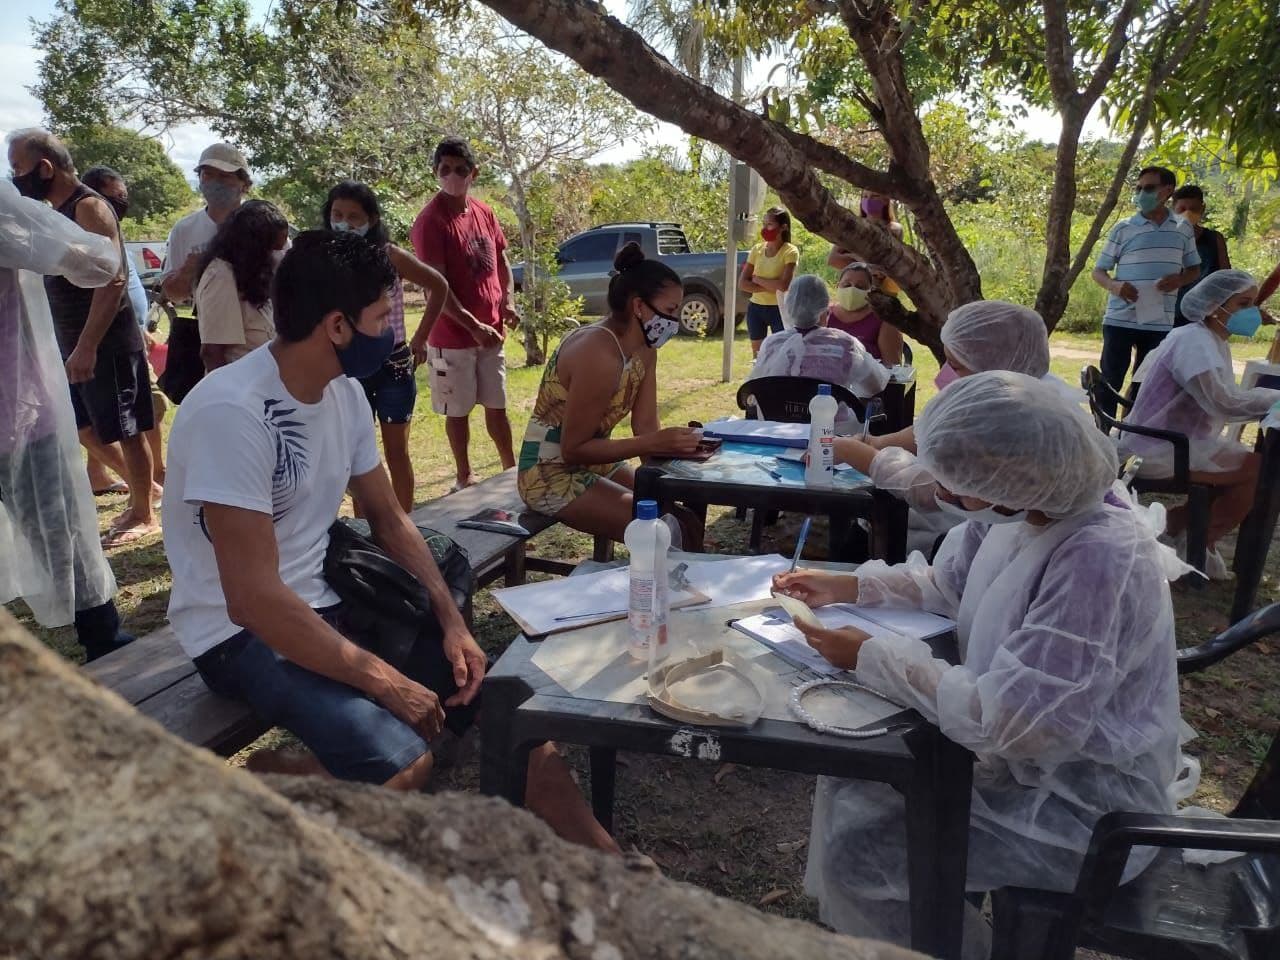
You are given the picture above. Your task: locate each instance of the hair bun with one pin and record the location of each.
(628, 257)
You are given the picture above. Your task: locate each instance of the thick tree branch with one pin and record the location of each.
(1106, 69)
(1059, 56)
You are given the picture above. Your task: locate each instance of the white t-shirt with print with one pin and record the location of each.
(241, 440)
(189, 235)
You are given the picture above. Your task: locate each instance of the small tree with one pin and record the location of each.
(157, 188)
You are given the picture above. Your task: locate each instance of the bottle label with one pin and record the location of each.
(641, 614)
(827, 443)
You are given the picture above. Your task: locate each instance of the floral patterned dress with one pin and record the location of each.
(546, 483)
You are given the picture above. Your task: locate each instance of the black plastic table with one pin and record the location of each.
(1258, 528)
(886, 514)
(524, 707)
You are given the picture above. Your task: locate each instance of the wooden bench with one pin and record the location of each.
(156, 677)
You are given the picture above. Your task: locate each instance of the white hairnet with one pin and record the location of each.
(997, 335)
(806, 299)
(1213, 291)
(1013, 441)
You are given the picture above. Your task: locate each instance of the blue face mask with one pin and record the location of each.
(1146, 200)
(365, 354)
(1244, 323)
(341, 226)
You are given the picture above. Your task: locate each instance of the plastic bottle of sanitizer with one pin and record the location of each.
(820, 470)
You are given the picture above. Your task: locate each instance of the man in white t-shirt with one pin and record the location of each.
(260, 457)
(224, 182)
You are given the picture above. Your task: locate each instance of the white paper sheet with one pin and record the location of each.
(565, 604)
(909, 623)
(736, 581)
(1149, 310)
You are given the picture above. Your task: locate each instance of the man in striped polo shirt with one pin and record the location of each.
(1153, 254)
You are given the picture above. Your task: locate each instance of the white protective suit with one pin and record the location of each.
(984, 335)
(1067, 686)
(49, 549)
(811, 350)
(1189, 386)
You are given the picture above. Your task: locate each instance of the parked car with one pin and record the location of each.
(586, 262)
(148, 257)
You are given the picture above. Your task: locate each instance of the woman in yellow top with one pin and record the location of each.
(767, 273)
(569, 466)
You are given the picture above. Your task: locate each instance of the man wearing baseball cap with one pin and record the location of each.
(224, 181)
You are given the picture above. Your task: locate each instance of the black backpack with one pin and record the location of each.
(183, 368)
(387, 610)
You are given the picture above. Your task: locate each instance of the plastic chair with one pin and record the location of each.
(1199, 495)
(786, 399)
(1172, 910)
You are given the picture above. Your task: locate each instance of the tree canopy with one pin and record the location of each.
(157, 187)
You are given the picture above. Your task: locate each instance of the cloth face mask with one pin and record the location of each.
(365, 354)
(341, 226)
(851, 298)
(659, 328)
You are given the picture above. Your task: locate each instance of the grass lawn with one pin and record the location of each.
(742, 832)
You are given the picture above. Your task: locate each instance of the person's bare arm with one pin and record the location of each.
(244, 544)
(839, 258)
(854, 452)
(213, 356)
(1180, 279)
(780, 283)
(592, 370)
(889, 340)
(95, 216)
(395, 532)
(1124, 290)
(179, 284)
(746, 280)
(440, 299)
(507, 279)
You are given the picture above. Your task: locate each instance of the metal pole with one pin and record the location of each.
(730, 320)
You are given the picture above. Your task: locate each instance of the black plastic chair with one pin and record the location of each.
(786, 399)
(1172, 910)
(1199, 495)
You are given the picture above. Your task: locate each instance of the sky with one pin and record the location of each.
(19, 61)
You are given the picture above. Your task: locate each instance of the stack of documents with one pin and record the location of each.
(775, 630)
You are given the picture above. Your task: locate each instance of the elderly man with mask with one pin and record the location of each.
(49, 550)
(816, 351)
(1066, 688)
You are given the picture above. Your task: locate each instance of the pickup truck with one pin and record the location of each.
(586, 262)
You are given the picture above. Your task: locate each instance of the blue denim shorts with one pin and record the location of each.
(353, 736)
(392, 392)
(763, 318)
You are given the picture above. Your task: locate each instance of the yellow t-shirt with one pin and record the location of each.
(770, 268)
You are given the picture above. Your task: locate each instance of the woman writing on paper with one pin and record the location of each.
(1067, 684)
(1189, 387)
(570, 467)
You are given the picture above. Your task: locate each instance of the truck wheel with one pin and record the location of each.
(699, 315)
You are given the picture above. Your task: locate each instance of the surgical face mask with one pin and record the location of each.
(341, 226)
(31, 184)
(985, 515)
(1192, 217)
(874, 207)
(218, 194)
(455, 184)
(851, 298)
(365, 354)
(1146, 200)
(659, 328)
(1244, 322)
(946, 375)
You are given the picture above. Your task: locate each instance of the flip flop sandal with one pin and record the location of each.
(118, 487)
(126, 535)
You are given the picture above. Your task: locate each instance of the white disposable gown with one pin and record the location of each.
(1066, 692)
(1189, 386)
(49, 550)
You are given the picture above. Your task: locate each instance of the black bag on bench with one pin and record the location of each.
(387, 608)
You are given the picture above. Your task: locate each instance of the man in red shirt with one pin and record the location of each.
(460, 237)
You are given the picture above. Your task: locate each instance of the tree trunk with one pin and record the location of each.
(121, 842)
(786, 159)
(534, 345)
(1055, 288)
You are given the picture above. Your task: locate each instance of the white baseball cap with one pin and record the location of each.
(224, 157)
